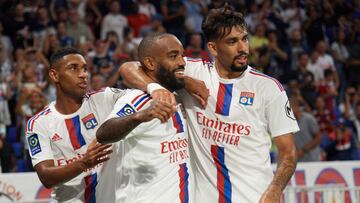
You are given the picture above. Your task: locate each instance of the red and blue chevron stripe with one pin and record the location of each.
(255, 72)
(223, 178)
(90, 188)
(177, 122)
(184, 183)
(224, 99)
(74, 129)
(31, 121)
(139, 101)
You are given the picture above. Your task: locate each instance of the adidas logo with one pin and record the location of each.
(56, 137)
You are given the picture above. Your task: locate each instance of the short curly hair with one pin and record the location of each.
(219, 22)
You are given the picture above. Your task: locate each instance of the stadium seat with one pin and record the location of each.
(11, 135)
(21, 166)
(18, 149)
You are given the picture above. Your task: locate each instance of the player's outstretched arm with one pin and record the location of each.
(286, 165)
(51, 175)
(197, 89)
(134, 77)
(117, 128)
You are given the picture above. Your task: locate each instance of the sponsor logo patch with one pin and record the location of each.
(56, 137)
(247, 98)
(125, 111)
(90, 121)
(34, 144)
(289, 112)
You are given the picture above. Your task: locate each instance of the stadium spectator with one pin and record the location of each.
(136, 19)
(307, 140)
(195, 48)
(146, 8)
(114, 21)
(195, 10)
(77, 29)
(326, 61)
(304, 79)
(323, 115)
(297, 46)
(313, 27)
(97, 82)
(131, 43)
(6, 45)
(353, 62)
(340, 144)
(64, 39)
(258, 45)
(51, 43)
(154, 27)
(356, 121)
(174, 12)
(340, 54)
(275, 59)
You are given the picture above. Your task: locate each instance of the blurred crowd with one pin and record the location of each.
(310, 46)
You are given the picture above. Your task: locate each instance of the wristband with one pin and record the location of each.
(152, 87)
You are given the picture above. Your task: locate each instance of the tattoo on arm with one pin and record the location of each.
(286, 166)
(116, 129)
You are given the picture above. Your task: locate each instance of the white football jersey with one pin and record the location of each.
(65, 138)
(154, 166)
(230, 140)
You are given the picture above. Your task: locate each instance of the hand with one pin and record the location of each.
(197, 89)
(96, 153)
(300, 153)
(271, 195)
(158, 109)
(164, 95)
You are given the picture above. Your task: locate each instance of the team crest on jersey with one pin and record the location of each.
(56, 137)
(247, 98)
(34, 144)
(90, 121)
(125, 111)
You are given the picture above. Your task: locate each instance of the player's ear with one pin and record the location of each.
(150, 63)
(212, 48)
(53, 74)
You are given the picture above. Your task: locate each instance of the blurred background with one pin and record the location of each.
(312, 47)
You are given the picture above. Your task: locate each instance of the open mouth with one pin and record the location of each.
(179, 72)
(83, 85)
(242, 59)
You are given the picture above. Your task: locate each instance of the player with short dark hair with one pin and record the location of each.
(61, 138)
(231, 138)
(155, 162)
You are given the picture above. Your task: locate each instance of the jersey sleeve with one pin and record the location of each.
(280, 116)
(194, 67)
(113, 94)
(132, 102)
(38, 141)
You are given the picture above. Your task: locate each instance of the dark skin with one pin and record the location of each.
(231, 54)
(166, 58)
(70, 76)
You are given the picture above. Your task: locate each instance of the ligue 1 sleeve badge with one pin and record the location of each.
(34, 143)
(247, 98)
(125, 111)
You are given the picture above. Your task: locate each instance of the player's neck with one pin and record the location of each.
(225, 72)
(67, 105)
